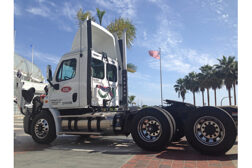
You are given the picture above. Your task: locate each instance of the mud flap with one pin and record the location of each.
(27, 123)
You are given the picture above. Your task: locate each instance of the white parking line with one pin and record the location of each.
(83, 150)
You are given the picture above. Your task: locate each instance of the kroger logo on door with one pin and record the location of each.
(66, 89)
(105, 91)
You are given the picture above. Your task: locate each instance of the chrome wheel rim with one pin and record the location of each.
(209, 131)
(41, 128)
(149, 129)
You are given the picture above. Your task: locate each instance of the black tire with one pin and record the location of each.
(211, 131)
(171, 117)
(156, 122)
(43, 128)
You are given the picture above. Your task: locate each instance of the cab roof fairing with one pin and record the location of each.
(102, 41)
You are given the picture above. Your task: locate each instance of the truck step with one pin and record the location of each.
(92, 115)
(83, 115)
(79, 133)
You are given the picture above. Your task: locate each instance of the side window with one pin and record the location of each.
(67, 70)
(97, 67)
(111, 73)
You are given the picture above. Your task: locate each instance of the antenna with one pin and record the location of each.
(79, 15)
(80, 38)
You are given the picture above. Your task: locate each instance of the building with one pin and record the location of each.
(29, 71)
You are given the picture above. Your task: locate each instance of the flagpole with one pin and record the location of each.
(32, 63)
(161, 77)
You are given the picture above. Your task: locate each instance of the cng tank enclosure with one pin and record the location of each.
(107, 123)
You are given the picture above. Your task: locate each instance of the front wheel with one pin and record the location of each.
(211, 131)
(152, 129)
(43, 128)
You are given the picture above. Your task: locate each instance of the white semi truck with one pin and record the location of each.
(87, 95)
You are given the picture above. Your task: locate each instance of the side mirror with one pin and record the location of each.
(49, 77)
(49, 73)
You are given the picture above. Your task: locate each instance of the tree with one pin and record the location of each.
(144, 106)
(235, 78)
(216, 83)
(225, 72)
(119, 25)
(83, 16)
(131, 67)
(180, 88)
(131, 99)
(192, 84)
(201, 86)
(100, 15)
(206, 72)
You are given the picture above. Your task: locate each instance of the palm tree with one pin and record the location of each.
(180, 88)
(131, 99)
(100, 15)
(131, 67)
(83, 16)
(225, 71)
(235, 76)
(192, 84)
(201, 86)
(119, 25)
(206, 72)
(216, 83)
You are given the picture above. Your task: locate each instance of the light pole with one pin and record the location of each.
(223, 99)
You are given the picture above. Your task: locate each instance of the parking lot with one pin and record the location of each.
(108, 152)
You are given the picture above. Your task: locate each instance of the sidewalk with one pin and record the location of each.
(182, 155)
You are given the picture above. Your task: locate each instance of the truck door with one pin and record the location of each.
(112, 78)
(97, 79)
(103, 84)
(67, 78)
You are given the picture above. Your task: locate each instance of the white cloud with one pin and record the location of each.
(46, 57)
(17, 10)
(145, 35)
(41, 11)
(46, 2)
(153, 1)
(220, 10)
(175, 57)
(42, 56)
(125, 8)
(47, 9)
(70, 11)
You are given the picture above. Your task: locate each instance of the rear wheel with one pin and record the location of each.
(43, 128)
(152, 129)
(171, 117)
(211, 131)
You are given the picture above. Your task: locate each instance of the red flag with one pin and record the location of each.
(154, 54)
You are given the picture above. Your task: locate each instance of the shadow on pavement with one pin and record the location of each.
(183, 151)
(116, 146)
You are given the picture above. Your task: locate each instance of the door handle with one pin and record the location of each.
(74, 97)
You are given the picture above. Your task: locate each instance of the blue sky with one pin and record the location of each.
(190, 34)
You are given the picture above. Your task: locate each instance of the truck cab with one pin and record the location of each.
(91, 74)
